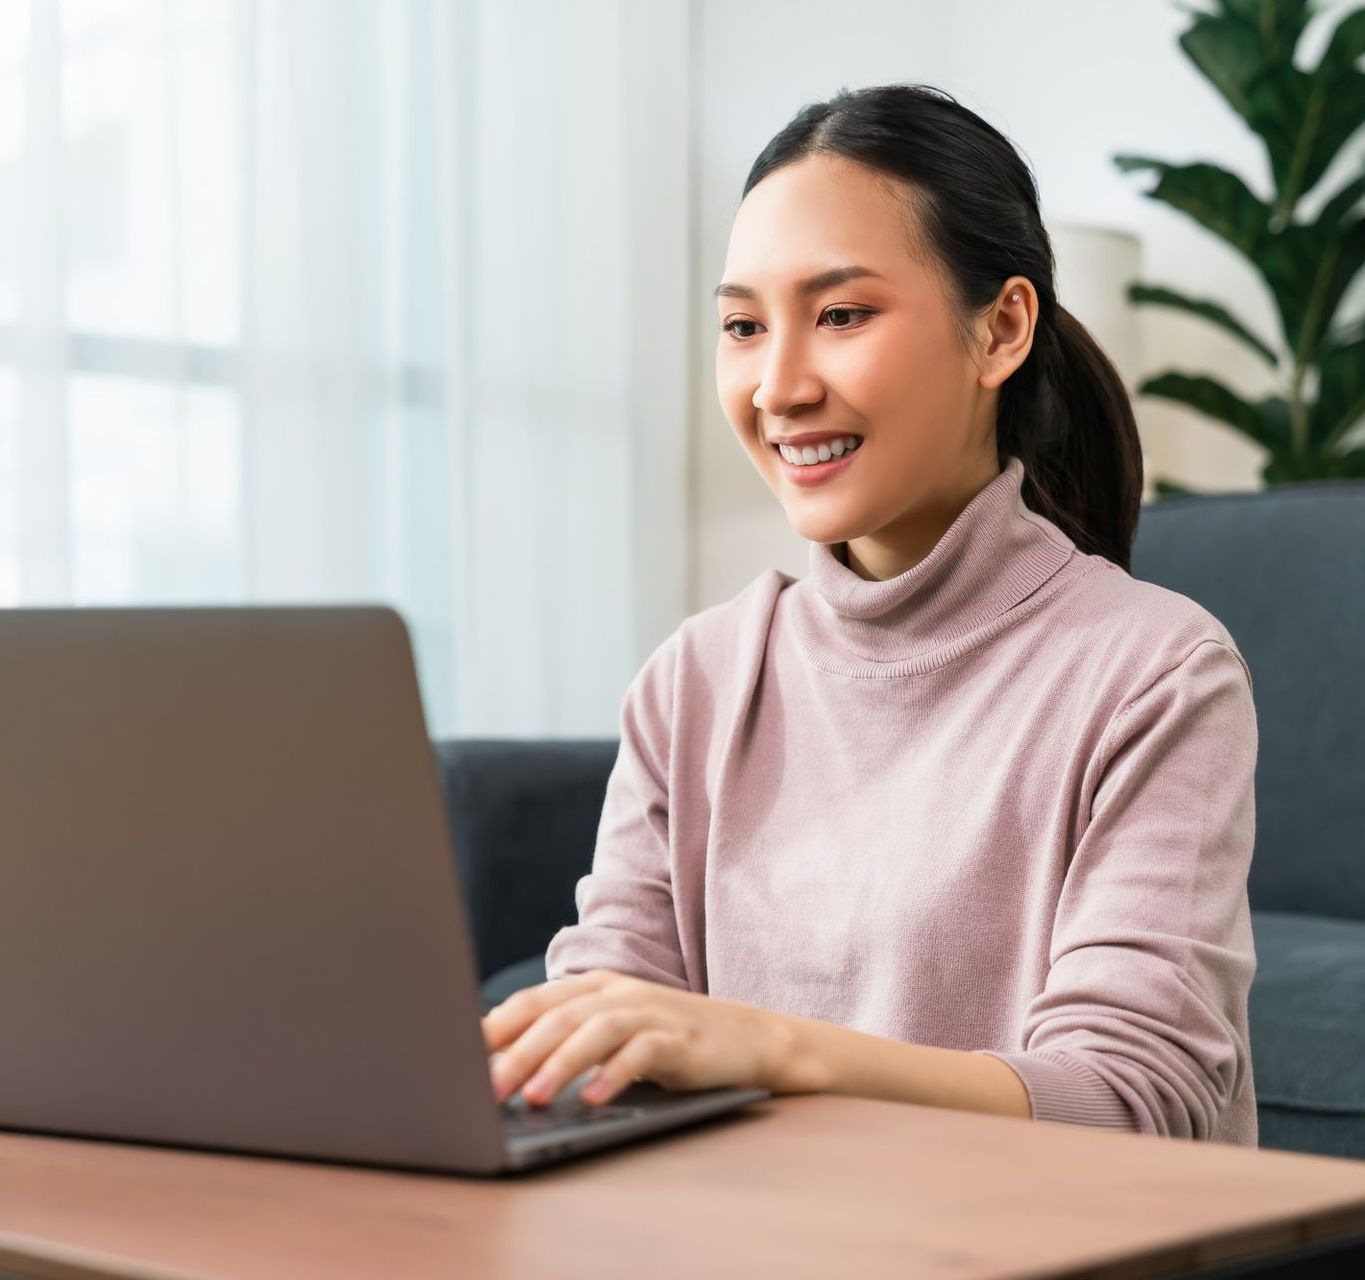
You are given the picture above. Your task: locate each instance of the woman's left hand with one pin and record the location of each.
(636, 1029)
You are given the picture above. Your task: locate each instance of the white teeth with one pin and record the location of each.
(823, 452)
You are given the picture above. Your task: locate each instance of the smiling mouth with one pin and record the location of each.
(814, 456)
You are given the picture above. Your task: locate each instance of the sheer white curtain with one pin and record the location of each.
(355, 300)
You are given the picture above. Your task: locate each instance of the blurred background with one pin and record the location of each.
(409, 300)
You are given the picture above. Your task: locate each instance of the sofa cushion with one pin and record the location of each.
(1307, 1013)
(1281, 568)
(525, 973)
(1318, 1133)
(523, 819)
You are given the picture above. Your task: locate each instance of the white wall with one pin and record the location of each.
(1072, 83)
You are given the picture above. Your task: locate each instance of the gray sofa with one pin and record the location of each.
(1284, 569)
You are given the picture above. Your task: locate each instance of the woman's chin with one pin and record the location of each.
(816, 529)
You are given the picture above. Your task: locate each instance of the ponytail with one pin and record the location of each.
(1070, 421)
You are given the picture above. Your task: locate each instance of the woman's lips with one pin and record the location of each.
(817, 472)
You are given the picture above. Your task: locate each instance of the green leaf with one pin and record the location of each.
(1341, 390)
(1336, 209)
(1275, 418)
(1292, 468)
(1347, 45)
(1277, 24)
(1229, 53)
(1214, 197)
(1206, 307)
(1309, 268)
(1169, 488)
(1304, 118)
(1265, 422)
(1351, 466)
(1289, 468)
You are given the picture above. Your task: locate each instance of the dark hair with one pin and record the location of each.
(973, 216)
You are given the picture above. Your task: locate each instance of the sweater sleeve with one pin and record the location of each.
(1141, 1024)
(626, 915)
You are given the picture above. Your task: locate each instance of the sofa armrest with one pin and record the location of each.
(523, 818)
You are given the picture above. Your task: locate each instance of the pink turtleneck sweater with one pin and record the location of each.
(1002, 802)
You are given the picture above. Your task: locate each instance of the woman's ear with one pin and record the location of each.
(1009, 331)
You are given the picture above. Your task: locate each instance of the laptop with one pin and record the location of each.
(231, 918)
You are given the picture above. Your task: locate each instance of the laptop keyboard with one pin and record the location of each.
(562, 1112)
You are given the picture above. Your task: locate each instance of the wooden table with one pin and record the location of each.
(799, 1186)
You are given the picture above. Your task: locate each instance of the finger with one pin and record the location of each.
(504, 1022)
(510, 1068)
(597, 1039)
(636, 1059)
(529, 1056)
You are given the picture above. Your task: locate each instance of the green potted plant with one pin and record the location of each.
(1304, 118)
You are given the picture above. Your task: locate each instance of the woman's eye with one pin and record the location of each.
(729, 325)
(847, 311)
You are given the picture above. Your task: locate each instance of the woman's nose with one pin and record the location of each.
(788, 381)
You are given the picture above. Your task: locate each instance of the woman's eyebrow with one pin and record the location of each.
(813, 284)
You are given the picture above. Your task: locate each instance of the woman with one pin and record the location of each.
(964, 816)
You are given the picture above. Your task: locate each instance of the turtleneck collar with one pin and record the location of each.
(994, 555)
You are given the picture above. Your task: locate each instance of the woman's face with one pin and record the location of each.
(873, 355)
